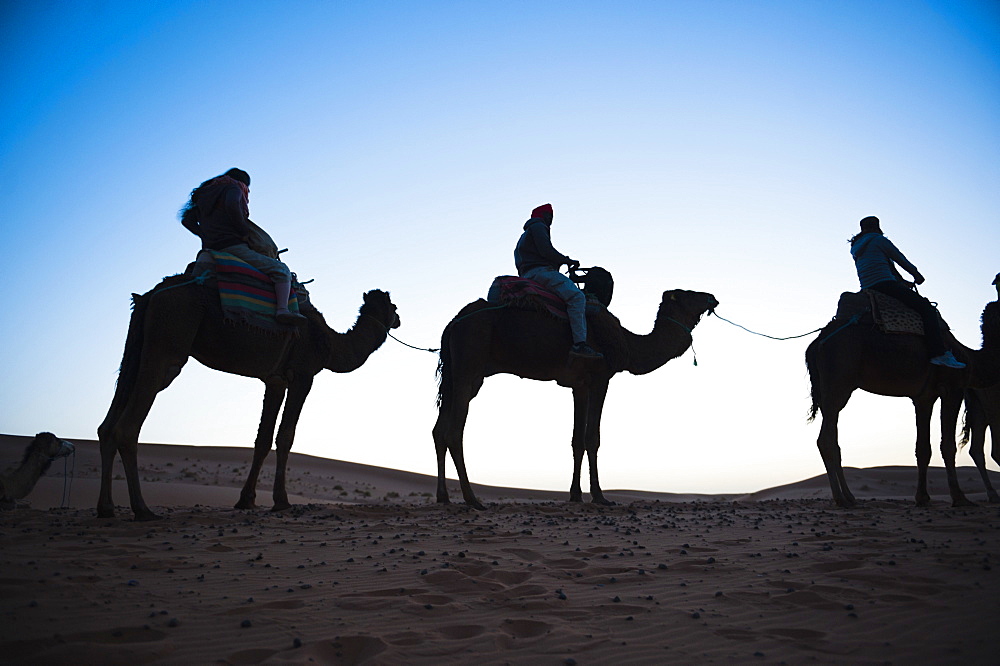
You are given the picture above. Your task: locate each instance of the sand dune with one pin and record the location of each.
(368, 569)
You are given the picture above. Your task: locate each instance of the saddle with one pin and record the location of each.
(245, 293)
(886, 312)
(519, 292)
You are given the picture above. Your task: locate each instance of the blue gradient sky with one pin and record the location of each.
(728, 147)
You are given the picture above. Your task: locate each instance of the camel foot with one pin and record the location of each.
(476, 504)
(105, 513)
(575, 497)
(923, 502)
(994, 499)
(281, 506)
(146, 516)
(602, 501)
(962, 501)
(845, 504)
(443, 499)
(245, 504)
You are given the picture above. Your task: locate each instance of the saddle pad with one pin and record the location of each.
(888, 313)
(524, 293)
(894, 317)
(246, 294)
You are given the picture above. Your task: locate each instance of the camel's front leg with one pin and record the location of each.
(595, 408)
(449, 435)
(923, 409)
(274, 394)
(951, 403)
(580, 400)
(298, 391)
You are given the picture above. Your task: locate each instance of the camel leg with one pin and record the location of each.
(829, 448)
(595, 409)
(297, 394)
(124, 436)
(105, 502)
(923, 410)
(449, 435)
(951, 403)
(580, 400)
(976, 421)
(441, 433)
(274, 395)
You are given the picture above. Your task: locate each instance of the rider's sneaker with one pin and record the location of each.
(292, 318)
(948, 360)
(583, 350)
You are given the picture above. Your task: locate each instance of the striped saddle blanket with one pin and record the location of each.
(247, 295)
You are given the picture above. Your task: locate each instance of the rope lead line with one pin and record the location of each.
(771, 337)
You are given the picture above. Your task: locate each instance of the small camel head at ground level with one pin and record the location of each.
(18, 481)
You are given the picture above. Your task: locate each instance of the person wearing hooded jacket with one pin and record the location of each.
(874, 258)
(536, 259)
(219, 213)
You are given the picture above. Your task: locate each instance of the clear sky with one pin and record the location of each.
(727, 147)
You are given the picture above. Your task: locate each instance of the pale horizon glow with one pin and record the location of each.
(717, 146)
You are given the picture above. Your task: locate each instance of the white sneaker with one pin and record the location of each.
(948, 360)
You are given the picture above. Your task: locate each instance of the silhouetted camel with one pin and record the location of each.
(482, 341)
(177, 320)
(845, 358)
(17, 483)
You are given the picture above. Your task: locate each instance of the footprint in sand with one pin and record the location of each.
(525, 628)
(457, 632)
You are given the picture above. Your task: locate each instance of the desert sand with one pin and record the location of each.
(368, 569)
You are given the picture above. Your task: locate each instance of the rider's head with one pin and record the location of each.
(240, 175)
(544, 212)
(870, 223)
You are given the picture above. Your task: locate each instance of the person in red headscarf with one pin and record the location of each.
(537, 260)
(219, 213)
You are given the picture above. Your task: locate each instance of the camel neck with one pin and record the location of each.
(350, 350)
(669, 338)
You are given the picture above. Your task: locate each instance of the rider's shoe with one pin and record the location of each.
(583, 350)
(288, 317)
(948, 360)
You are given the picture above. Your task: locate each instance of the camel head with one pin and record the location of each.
(378, 306)
(47, 445)
(687, 306)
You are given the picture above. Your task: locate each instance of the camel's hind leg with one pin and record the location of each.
(449, 436)
(829, 448)
(274, 394)
(123, 438)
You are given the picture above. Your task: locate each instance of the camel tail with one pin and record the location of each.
(443, 367)
(129, 368)
(811, 352)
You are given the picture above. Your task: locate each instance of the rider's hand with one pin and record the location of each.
(573, 264)
(918, 279)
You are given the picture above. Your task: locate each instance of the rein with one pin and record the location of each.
(68, 479)
(388, 331)
(771, 337)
